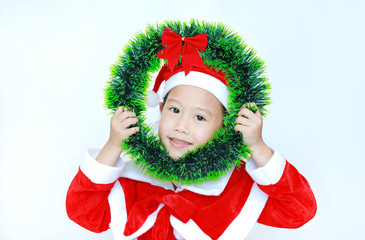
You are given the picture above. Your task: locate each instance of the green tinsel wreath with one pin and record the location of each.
(130, 79)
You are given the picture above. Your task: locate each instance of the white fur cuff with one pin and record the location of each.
(97, 172)
(268, 174)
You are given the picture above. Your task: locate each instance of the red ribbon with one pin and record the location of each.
(189, 50)
(175, 205)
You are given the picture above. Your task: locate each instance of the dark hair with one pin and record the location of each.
(165, 98)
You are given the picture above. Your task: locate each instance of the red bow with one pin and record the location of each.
(175, 205)
(189, 52)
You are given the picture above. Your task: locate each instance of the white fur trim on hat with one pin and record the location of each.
(201, 80)
(153, 99)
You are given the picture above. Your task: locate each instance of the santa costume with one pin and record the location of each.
(134, 205)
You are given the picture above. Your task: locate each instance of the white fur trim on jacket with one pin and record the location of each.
(97, 172)
(270, 173)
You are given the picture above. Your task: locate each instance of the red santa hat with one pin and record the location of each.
(191, 70)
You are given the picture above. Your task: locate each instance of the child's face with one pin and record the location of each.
(190, 117)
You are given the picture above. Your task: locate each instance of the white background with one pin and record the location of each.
(54, 64)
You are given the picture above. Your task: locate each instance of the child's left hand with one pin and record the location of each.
(250, 125)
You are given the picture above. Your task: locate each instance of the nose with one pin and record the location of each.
(182, 125)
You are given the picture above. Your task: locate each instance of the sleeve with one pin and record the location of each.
(291, 202)
(87, 197)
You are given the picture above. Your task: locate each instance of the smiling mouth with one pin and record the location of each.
(179, 143)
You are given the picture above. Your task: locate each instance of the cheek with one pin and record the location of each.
(163, 127)
(204, 134)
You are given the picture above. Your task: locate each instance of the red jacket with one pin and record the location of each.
(132, 205)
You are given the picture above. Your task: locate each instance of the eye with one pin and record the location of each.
(174, 110)
(199, 118)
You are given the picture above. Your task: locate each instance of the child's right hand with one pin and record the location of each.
(120, 124)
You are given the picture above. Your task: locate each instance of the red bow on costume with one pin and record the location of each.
(175, 205)
(189, 52)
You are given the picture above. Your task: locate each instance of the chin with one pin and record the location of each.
(176, 156)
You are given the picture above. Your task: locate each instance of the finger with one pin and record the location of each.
(241, 128)
(130, 131)
(247, 113)
(118, 111)
(243, 121)
(253, 105)
(128, 122)
(125, 115)
(118, 125)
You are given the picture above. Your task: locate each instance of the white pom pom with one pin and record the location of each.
(153, 99)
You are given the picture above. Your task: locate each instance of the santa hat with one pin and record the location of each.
(191, 70)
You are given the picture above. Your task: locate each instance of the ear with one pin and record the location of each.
(161, 106)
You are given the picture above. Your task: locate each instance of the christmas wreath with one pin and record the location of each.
(131, 77)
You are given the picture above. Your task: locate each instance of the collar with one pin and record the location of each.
(211, 188)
